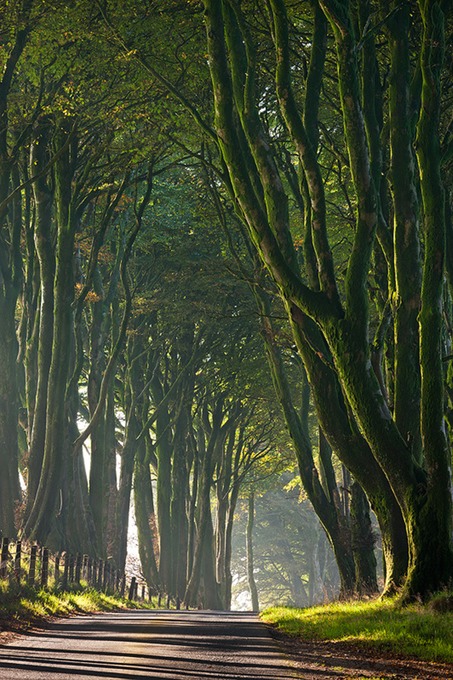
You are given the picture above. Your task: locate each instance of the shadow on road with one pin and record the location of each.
(151, 645)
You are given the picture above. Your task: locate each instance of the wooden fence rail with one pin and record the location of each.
(33, 565)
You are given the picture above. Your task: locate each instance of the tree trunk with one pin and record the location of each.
(210, 590)
(250, 566)
(224, 489)
(10, 493)
(180, 492)
(324, 504)
(110, 474)
(40, 524)
(133, 392)
(192, 511)
(43, 196)
(99, 434)
(145, 518)
(406, 298)
(431, 566)
(363, 541)
(164, 451)
(204, 520)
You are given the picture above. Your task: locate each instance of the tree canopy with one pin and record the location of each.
(225, 243)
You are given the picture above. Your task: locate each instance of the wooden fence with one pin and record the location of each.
(23, 564)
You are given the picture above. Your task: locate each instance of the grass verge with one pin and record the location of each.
(422, 632)
(21, 609)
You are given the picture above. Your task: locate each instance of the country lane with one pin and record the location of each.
(147, 644)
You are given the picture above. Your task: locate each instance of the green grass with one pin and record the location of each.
(25, 607)
(420, 632)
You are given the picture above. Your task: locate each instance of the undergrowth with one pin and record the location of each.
(21, 608)
(423, 632)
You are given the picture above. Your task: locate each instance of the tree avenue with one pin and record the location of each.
(226, 256)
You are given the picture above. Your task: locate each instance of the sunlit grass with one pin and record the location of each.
(413, 631)
(25, 606)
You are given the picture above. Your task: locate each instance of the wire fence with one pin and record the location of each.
(23, 564)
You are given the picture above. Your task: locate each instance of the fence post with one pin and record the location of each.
(112, 578)
(93, 572)
(78, 568)
(18, 560)
(56, 572)
(85, 567)
(32, 570)
(45, 568)
(4, 562)
(71, 568)
(105, 577)
(132, 588)
(100, 574)
(89, 571)
(123, 585)
(143, 592)
(65, 571)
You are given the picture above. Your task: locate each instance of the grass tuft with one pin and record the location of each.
(26, 607)
(417, 631)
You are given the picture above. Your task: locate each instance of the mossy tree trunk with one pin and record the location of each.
(259, 196)
(353, 450)
(363, 541)
(430, 551)
(406, 297)
(432, 563)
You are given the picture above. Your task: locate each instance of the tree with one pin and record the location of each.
(344, 321)
(18, 25)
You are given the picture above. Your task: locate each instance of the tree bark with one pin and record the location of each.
(43, 196)
(202, 561)
(363, 541)
(431, 566)
(41, 523)
(250, 565)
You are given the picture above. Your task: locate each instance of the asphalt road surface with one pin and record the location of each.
(147, 644)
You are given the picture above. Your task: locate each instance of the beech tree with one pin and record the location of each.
(18, 24)
(322, 134)
(342, 317)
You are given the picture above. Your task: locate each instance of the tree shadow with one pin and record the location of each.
(151, 645)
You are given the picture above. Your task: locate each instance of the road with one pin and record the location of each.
(147, 644)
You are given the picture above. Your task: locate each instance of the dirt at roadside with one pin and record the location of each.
(324, 660)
